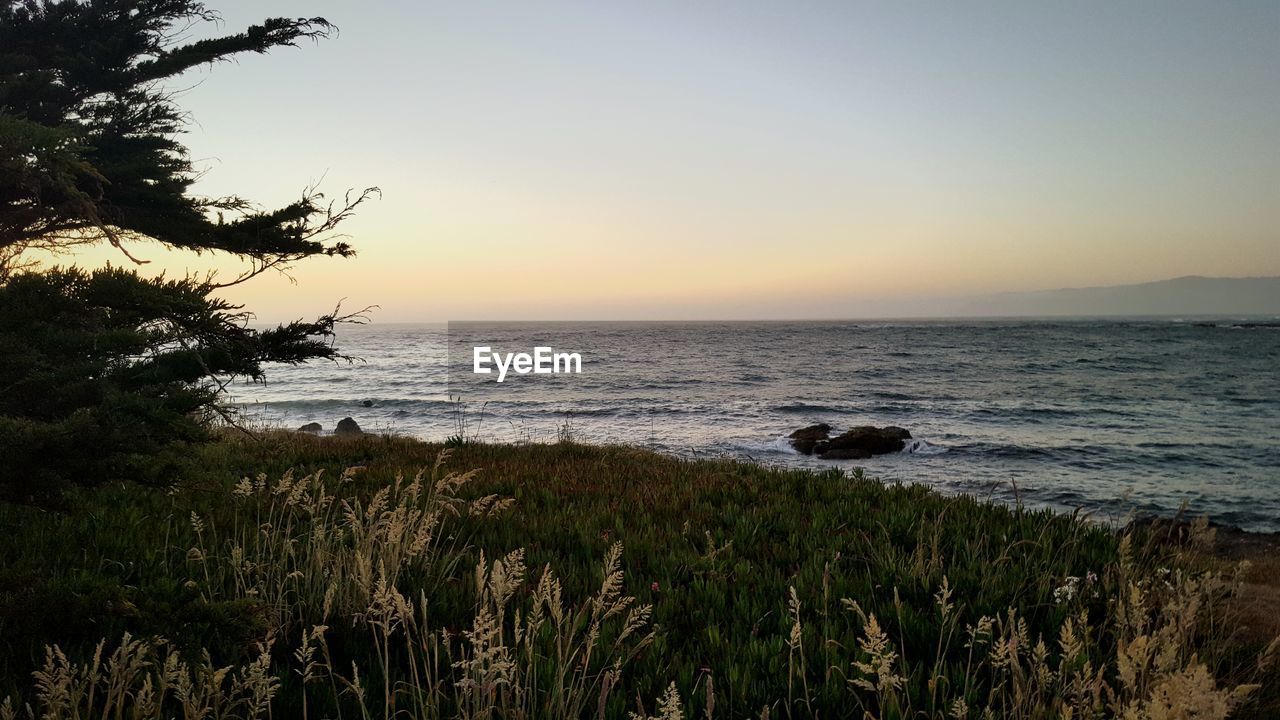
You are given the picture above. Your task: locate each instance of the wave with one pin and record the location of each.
(1143, 459)
(1260, 325)
(923, 447)
(1065, 453)
(801, 407)
(890, 395)
(1041, 414)
(1237, 445)
(593, 412)
(780, 445)
(354, 403)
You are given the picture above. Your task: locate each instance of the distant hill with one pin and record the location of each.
(1191, 295)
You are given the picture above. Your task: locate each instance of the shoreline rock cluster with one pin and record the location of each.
(857, 443)
(346, 426)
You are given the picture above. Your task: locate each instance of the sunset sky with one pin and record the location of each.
(669, 160)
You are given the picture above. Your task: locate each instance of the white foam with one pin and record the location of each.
(923, 447)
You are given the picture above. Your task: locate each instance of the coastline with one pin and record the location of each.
(1113, 416)
(1237, 537)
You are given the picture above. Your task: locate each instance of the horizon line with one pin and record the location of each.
(1168, 317)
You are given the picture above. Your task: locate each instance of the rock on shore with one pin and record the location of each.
(347, 426)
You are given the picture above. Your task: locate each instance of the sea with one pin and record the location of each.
(1112, 418)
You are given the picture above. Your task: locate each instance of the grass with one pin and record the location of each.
(360, 577)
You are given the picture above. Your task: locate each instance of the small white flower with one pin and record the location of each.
(1068, 590)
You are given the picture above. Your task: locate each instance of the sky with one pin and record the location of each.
(675, 160)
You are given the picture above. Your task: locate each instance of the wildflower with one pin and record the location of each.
(1067, 592)
(654, 587)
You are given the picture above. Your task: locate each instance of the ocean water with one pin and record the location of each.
(1111, 417)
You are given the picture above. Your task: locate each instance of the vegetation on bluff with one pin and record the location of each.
(360, 577)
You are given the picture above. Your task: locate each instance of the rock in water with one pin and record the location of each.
(805, 440)
(867, 439)
(312, 427)
(347, 426)
(844, 454)
(896, 432)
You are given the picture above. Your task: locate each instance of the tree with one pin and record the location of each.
(107, 375)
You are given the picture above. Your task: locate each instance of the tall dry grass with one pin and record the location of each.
(312, 551)
(315, 555)
(1156, 624)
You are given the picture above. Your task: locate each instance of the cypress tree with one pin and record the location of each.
(108, 374)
